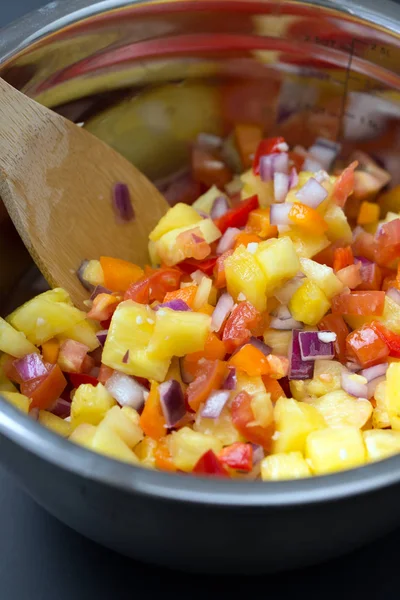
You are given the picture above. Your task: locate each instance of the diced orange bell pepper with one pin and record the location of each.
(187, 294)
(244, 421)
(246, 238)
(210, 377)
(103, 307)
(247, 139)
(45, 390)
(119, 274)
(162, 456)
(219, 270)
(250, 360)
(398, 277)
(50, 350)
(368, 213)
(366, 346)
(259, 223)
(214, 349)
(342, 257)
(388, 282)
(307, 218)
(273, 387)
(152, 419)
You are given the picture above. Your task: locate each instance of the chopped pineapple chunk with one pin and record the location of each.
(177, 333)
(289, 465)
(107, 442)
(121, 422)
(14, 342)
(83, 435)
(18, 400)
(54, 423)
(381, 444)
(323, 276)
(90, 404)
(83, 332)
(305, 244)
(339, 409)
(309, 303)
(93, 273)
(245, 276)
(221, 428)
(294, 421)
(326, 378)
(330, 450)
(206, 201)
(169, 251)
(338, 225)
(393, 394)
(278, 340)
(253, 185)
(278, 260)
(145, 451)
(187, 446)
(180, 215)
(380, 415)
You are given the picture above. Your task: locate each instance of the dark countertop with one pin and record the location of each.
(41, 559)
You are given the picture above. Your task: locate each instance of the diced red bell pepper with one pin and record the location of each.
(344, 185)
(391, 339)
(154, 286)
(78, 379)
(237, 456)
(387, 241)
(219, 270)
(45, 390)
(190, 265)
(209, 464)
(243, 419)
(237, 216)
(342, 257)
(336, 324)
(359, 303)
(265, 147)
(240, 325)
(366, 346)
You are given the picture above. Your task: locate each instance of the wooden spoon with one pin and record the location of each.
(56, 181)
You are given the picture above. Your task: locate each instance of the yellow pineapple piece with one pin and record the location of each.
(338, 225)
(206, 201)
(155, 260)
(16, 399)
(170, 252)
(177, 333)
(93, 273)
(187, 446)
(245, 278)
(145, 451)
(45, 316)
(83, 435)
(340, 409)
(83, 332)
(381, 443)
(323, 276)
(253, 185)
(305, 244)
(90, 404)
(326, 378)
(390, 317)
(294, 421)
(309, 303)
(392, 395)
(180, 215)
(131, 329)
(14, 342)
(221, 428)
(123, 425)
(380, 415)
(54, 423)
(290, 465)
(330, 450)
(106, 441)
(278, 340)
(278, 260)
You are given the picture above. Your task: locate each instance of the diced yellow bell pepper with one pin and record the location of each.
(381, 443)
(309, 303)
(294, 421)
(330, 450)
(245, 277)
(18, 400)
(289, 465)
(177, 333)
(54, 423)
(323, 276)
(187, 446)
(90, 404)
(278, 260)
(180, 215)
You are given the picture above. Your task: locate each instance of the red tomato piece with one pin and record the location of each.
(243, 419)
(219, 270)
(359, 303)
(237, 456)
(344, 185)
(336, 324)
(154, 286)
(265, 147)
(237, 216)
(371, 276)
(78, 379)
(388, 242)
(72, 355)
(209, 377)
(365, 245)
(366, 346)
(44, 391)
(206, 266)
(238, 329)
(209, 464)
(391, 339)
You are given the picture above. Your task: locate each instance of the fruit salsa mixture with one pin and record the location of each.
(262, 342)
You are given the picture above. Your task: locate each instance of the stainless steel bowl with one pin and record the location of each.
(147, 77)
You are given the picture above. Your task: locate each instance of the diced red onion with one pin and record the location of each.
(177, 304)
(221, 311)
(282, 312)
(285, 324)
(273, 163)
(102, 336)
(312, 193)
(321, 176)
(311, 164)
(353, 387)
(201, 213)
(362, 260)
(298, 368)
(293, 178)
(260, 345)
(325, 151)
(126, 390)
(214, 404)
(231, 379)
(279, 214)
(88, 286)
(220, 207)
(172, 401)
(394, 294)
(185, 375)
(312, 348)
(285, 293)
(258, 453)
(281, 186)
(99, 289)
(227, 240)
(125, 359)
(61, 408)
(373, 384)
(122, 202)
(30, 367)
(374, 372)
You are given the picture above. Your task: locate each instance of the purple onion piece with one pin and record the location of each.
(215, 404)
(374, 372)
(352, 386)
(312, 348)
(99, 289)
(325, 151)
(258, 453)
(279, 214)
(281, 186)
(285, 324)
(231, 379)
(260, 345)
(311, 193)
(293, 178)
(122, 203)
(88, 286)
(219, 208)
(177, 304)
(298, 368)
(185, 376)
(61, 408)
(125, 359)
(227, 240)
(373, 384)
(30, 367)
(126, 390)
(102, 336)
(172, 401)
(221, 311)
(273, 163)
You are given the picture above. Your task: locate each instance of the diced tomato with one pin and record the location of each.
(193, 245)
(388, 243)
(119, 274)
(104, 374)
(365, 245)
(44, 391)
(78, 379)
(240, 325)
(237, 216)
(152, 419)
(342, 257)
(336, 324)
(265, 147)
(371, 276)
(154, 286)
(88, 364)
(71, 356)
(209, 377)
(103, 307)
(219, 270)
(209, 169)
(359, 303)
(391, 339)
(307, 218)
(344, 185)
(350, 276)
(366, 346)
(243, 419)
(206, 266)
(237, 456)
(209, 464)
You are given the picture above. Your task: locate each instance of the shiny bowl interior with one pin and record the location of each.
(147, 77)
